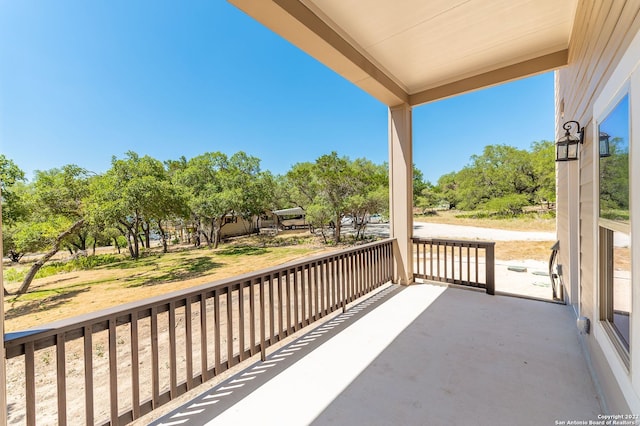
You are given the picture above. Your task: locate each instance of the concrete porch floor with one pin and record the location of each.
(425, 355)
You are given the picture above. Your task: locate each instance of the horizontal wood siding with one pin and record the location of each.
(241, 227)
(587, 238)
(596, 48)
(602, 33)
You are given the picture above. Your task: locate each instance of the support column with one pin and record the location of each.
(3, 370)
(401, 190)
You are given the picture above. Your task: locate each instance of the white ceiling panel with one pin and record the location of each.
(419, 45)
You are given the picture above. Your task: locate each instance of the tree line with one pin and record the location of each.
(503, 179)
(614, 181)
(139, 196)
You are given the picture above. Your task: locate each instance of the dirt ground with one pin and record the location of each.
(73, 293)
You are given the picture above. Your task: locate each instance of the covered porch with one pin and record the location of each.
(341, 316)
(412, 53)
(423, 354)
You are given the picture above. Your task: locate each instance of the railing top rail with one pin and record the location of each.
(74, 323)
(479, 243)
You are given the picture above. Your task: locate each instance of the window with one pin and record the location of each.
(230, 219)
(614, 226)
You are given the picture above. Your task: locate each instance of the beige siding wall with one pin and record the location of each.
(242, 227)
(601, 35)
(586, 226)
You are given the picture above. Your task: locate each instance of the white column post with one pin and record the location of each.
(401, 190)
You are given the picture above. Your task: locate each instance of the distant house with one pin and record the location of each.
(291, 218)
(234, 226)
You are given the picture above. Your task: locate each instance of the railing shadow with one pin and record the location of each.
(115, 365)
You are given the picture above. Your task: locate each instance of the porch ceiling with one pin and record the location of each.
(417, 51)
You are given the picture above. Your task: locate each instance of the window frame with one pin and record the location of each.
(606, 229)
(604, 237)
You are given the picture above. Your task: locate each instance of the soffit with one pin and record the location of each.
(415, 51)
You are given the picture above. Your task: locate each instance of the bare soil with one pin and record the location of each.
(521, 250)
(505, 250)
(69, 294)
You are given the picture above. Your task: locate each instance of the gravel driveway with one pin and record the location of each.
(439, 230)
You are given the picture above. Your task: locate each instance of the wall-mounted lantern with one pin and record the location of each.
(567, 146)
(604, 145)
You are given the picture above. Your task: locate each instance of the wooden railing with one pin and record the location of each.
(470, 263)
(113, 366)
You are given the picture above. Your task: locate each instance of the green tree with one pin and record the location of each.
(136, 197)
(419, 184)
(501, 172)
(11, 207)
(302, 186)
(10, 175)
(335, 180)
(163, 203)
(252, 189)
(16, 209)
(614, 181)
(217, 186)
(429, 197)
(369, 192)
(280, 195)
(448, 186)
(319, 214)
(334, 186)
(542, 156)
(508, 205)
(56, 212)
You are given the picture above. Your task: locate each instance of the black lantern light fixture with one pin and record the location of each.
(604, 145)
(567, 146)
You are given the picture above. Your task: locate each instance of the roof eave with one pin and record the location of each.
(299, 25)
(501, 75)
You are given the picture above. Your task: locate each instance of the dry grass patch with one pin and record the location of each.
(67, 294)
(531, 222)
(523, 250)
(505, 250)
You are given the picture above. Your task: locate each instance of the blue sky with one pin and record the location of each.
(83, 81)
